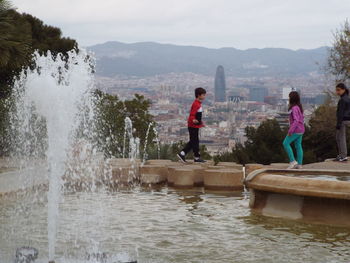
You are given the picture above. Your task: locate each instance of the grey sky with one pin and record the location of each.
(211, 23)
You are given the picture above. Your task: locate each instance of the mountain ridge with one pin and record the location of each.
(151, 58)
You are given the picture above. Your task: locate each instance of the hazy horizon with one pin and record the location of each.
(241, 24)
(184, 45)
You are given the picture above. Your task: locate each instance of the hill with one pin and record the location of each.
(148, 58)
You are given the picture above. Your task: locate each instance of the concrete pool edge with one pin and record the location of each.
(309, 200)
(299, 186)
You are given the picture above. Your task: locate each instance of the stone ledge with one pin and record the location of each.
(148, 179)
(225, 179)
(161, 170)
(184, 177)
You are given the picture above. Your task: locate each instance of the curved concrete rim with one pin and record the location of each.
(255, 173)
(299, 186)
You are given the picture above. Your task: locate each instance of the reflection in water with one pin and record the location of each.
(164, 225)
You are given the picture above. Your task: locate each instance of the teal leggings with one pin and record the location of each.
(297, 139)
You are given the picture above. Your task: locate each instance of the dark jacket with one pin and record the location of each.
(343, 109)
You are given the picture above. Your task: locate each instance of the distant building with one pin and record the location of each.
(235, 99)
(272, 100)
(308, 100)
(286, 91)
(317, 100)
(258, 94)
(220, 85)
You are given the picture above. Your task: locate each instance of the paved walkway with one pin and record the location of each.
(329, 165)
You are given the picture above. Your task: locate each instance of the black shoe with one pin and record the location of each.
(181, 157)
(199, 160)
(336, 159)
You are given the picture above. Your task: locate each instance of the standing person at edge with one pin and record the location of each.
(295, 132)
(194, 123)
(343, 121)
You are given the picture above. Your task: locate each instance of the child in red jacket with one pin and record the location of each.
(194, 123)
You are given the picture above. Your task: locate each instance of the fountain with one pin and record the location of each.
(133, 147)
(53, 93)
(151, 125)
(207, 220)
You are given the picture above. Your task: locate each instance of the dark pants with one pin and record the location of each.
(193, 144)
(341, 139)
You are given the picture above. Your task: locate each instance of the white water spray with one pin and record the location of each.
(145, 155)
(133, 148)
(55, 90)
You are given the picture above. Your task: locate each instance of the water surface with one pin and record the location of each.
(164, 226)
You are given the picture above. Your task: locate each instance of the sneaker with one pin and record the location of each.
(299, 166)
(341, 159)
(181, 157)
(293, 165)
(199, 160)
(337, 158)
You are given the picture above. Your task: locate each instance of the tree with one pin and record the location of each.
(111, 113)
(20, 36)
(339, 56)
(263, 145)
(14, 48)
(137, 110)
(48, 38)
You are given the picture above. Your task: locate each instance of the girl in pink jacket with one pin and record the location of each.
(295, 132)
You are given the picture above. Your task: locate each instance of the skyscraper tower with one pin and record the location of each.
(220, 85)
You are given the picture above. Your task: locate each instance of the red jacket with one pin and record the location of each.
(195, 113)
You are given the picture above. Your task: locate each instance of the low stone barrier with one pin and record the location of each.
(215, 167)
(158, 162)
(184, 177)
(230, 165)
(223, 179)
(115, 162)
(148, 169)
(198, 173)
(171, 173)
(251, 167)
(124, 175)
(147, 179)
(117, 172)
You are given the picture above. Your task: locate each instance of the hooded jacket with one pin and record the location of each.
(296, 121)
(343, 109)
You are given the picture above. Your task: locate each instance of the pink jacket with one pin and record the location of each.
(296, 121)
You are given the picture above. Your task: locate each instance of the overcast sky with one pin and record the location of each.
(211, 23)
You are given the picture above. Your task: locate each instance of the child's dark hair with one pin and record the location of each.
(294, 100)
(343, 86)
(199, 91)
